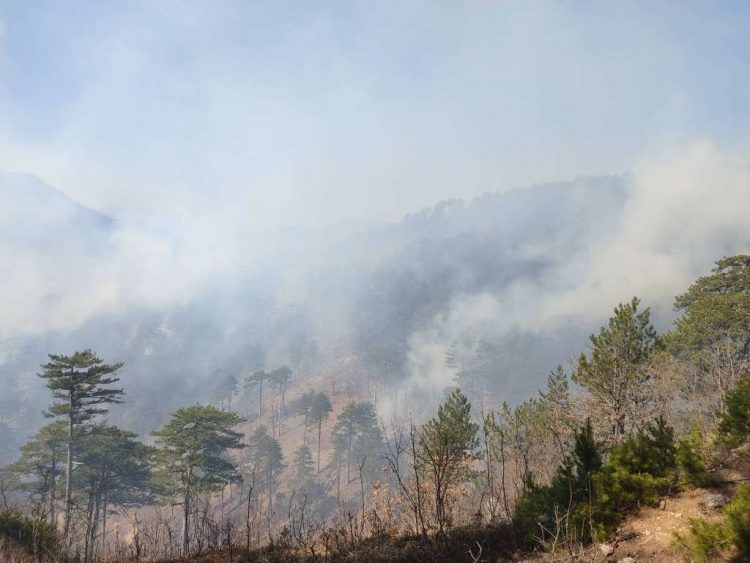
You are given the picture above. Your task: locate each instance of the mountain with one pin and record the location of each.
(376, 303)
(35, 215)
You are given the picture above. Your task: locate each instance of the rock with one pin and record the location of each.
(626, 560)
(606, 549)
(716, 501)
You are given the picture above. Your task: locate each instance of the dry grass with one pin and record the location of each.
(12, 553)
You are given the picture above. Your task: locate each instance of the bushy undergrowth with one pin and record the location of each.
(705, 540)
(589, 497)
(492, 543)
(30, 534)
(694, 460)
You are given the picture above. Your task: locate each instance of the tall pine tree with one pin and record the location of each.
(81, 384)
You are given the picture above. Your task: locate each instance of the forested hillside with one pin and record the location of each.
(288, 467)
(362, 382)
(379, 304)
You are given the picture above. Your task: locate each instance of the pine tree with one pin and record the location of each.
(266, 458)
(303, 407)
(713, 333)
(192, 458)
(256, 379)
(115, 470)
(304, 468)
(357, 436)
(320, 408)
(447, 446)
(81, 384)
(280, 377)
(40, 465)
(734, 425)
(616, 373)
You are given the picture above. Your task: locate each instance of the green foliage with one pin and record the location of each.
(570, 492)
(616, 371)
(594, 495)
(704, 540)
(693, 460)
(265, 456)
(303, 467)
(80, 382)
(42, 460)
(357, 437)
(734, 426)
(448, 443)
(34, 534)
(716, 315)
(637, 472)
(115, 464)
(738, 518)
(192, 449)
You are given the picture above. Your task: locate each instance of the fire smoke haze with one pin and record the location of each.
(191, 156)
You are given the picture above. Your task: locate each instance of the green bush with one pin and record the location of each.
(637, 472)
(734, 426)
(595, 495)
(36, 535)
(569, 493)
(693, 461)
(704, 540)
(738, 518)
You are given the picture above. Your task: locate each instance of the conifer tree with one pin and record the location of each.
(81, 384)
(357, 435)
(320, 408)
(41, 464)
(192, 455)
(257, 379)
(115, 471)
(713, 333)
(447, 446)
(280, 377)
(266, 458)
(304, 468)
(616, 373)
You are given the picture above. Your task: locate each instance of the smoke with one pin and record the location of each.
(68, 264)
(684, 210)
(546, 264)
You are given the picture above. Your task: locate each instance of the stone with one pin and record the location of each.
(716, 501)
(626, 560)
(606, 549)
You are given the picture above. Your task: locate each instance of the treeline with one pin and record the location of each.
(638, 417)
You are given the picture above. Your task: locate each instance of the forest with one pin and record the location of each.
(282, 464)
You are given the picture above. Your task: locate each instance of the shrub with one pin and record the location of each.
(704, 540)
(693, 461)
(738, 518)
(593, 496)
(734, 426)
(35, 535)
(638, 471)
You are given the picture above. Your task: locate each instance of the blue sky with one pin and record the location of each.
(277, 112)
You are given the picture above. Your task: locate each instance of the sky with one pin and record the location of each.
(309, 113)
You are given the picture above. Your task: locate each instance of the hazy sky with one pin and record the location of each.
(281, 112)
